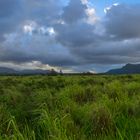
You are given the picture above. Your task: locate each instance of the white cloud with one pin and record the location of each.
(28, 65)
(29, 27)
(84, 1)
(51, 31)
(92, 18)
(110, 7)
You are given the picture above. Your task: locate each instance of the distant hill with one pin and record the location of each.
(10, 71)
(127, 69)
(4, 70)
(36, 71)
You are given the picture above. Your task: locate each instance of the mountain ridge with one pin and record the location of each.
(10, 71)
(127, 69)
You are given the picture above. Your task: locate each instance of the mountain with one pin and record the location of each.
(127, 69)
(10, 71)
(36, 71)
(4, 70)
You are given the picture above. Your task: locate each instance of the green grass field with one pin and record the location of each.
(70, 107)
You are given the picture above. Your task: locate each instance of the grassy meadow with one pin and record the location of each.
(97, 107)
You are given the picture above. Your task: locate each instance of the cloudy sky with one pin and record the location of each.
(73, 35)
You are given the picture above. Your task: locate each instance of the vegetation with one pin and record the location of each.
(70, 107)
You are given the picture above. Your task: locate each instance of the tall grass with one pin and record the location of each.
(70, 107)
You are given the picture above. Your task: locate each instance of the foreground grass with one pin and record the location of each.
(70, 107)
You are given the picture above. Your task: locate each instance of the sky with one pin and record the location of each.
(72, 35)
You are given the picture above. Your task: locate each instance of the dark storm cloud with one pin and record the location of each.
(117, 45)
(68, 34)
(18, 51)
(16, 12)
(76, 31)
(44, 12)
(10, 15)
(29, 48)
(110, 52)
(76, 35)
(74, 11)
(6, 9)
(123, 21)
